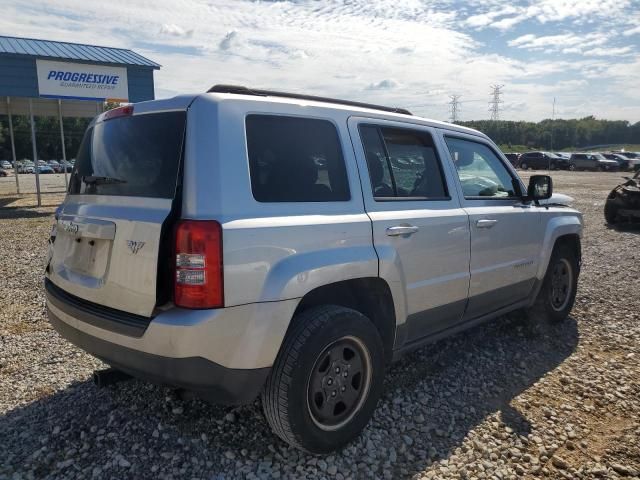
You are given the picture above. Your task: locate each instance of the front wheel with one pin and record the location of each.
(610, 211)
(558, 292)
(572, 167)
(524, 166)
(327, 379)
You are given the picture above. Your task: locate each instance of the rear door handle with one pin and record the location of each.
(485, 223)
(399, 230)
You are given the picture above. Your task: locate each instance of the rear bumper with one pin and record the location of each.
(223, 355)
(205, 378)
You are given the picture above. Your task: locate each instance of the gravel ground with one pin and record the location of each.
(503, 400)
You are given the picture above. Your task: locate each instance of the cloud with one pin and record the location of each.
(175, 30)
(229, 40)
(606, 52)
(403, 50)
(631, 31)
(386, 84)
(550, 11)
(488, 18)
(567, 43)
(411, 54)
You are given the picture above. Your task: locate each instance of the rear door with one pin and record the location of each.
(420, 231)
(108, 239)
(581, 160)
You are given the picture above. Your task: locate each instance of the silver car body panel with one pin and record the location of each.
(276, 253)
(91, 257)
(429, 268)
(242, 337)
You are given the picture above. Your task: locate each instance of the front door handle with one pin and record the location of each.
(399, 230)
(486, 223)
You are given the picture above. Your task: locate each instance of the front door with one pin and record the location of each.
(505, 233)
(420, 231)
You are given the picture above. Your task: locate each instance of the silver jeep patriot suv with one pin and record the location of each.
(244, 243)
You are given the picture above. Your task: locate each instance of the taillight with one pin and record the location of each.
(125, 111)
(199, 274)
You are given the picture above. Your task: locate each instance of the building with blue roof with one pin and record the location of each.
(20, 58)
(63, 79)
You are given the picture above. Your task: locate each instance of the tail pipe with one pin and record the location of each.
(109, 376)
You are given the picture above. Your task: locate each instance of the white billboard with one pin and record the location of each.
(82, 81)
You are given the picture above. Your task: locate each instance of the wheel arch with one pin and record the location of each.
(565, 229)
(370, 296)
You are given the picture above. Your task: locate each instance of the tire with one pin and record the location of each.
(549, 306)
(610, 212)
(572, 167)
(296, 394)
(524, 166)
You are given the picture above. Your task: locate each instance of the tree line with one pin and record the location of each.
(47, 137)
(559, 134)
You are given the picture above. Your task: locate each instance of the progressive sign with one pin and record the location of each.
(82, 81)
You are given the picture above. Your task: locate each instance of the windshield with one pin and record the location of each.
(130, 156)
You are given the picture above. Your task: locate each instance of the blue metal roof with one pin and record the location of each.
(72, 51)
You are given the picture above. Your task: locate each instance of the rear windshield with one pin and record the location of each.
(136, 156)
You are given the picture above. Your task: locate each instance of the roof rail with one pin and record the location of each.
(240, 90)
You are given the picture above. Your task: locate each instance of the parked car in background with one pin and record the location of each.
(623, 203)
(193, 287)
(513, 158)
(5, 164)
(25, 166)
(565, 155)
(3, 172)
(45, 169)
(55, 165)
(543, 160)
(66, 165)
(592, 161)
(623, 162)
(633, 157)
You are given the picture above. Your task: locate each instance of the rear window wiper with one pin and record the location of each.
(96, 180)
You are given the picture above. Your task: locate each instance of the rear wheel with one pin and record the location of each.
(572, 167)
(558, 292)
(327, 379)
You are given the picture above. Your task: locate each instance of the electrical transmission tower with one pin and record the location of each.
(496, 100)
(454, 108)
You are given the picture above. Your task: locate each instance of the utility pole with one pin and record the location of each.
(496, 100)
(553, 121)
(454, 108)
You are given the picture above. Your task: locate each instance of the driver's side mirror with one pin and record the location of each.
(540, 187)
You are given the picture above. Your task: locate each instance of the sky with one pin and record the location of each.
(412, 54)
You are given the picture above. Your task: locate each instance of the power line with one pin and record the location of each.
(496, 100)
(454, 108)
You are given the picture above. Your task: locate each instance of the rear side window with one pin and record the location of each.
(293, 159)
(402, 164)
(137, 156)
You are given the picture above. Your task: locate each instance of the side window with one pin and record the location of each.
(402, 164)
(482, 174)
(293, 159)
